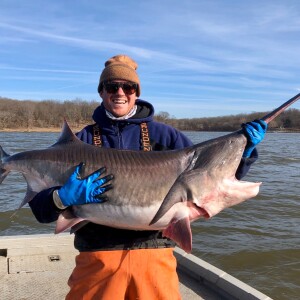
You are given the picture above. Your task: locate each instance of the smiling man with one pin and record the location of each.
(117, 263)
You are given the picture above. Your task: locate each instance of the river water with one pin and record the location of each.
(257, 241)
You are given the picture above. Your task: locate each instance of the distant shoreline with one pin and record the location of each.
(76, 129)
(39, 129)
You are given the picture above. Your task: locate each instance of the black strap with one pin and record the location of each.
(97, 141)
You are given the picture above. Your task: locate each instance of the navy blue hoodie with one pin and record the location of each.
(121, 134)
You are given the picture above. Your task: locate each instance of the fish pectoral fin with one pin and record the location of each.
(180, 232)
(66, 220)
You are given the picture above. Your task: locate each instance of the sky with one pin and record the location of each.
(195, 58)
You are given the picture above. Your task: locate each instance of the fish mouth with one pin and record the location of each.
(195, 211)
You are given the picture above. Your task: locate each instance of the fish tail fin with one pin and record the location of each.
(3, 171)
(66, 220)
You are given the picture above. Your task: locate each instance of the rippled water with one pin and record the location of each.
(257, 241)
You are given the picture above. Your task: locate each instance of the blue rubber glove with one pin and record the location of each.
(255, 132)
(90, 189)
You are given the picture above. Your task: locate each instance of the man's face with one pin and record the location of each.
(117, 101)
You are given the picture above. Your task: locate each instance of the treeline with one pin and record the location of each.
(29, 114)
(289, 120)
(16, 114)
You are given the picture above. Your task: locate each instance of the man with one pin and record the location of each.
(116, 263)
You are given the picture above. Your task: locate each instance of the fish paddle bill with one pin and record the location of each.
(272, 115)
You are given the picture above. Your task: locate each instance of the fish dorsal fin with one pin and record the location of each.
(66, 135)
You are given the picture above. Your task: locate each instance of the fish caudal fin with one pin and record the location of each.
(3, 171)
(66, 220)
(180, 232)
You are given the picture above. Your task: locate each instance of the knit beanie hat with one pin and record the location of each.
(120, 67)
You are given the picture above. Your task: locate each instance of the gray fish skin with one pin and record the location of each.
(152, 190)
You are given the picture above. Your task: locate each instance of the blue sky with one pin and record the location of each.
(196, 58)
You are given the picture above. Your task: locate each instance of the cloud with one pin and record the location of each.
(192, 50)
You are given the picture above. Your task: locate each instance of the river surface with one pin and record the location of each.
(257, 241)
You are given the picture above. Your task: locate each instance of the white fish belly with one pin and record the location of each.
(126, 217)
(129, 217)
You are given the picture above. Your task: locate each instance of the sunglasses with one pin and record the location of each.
(113, 87)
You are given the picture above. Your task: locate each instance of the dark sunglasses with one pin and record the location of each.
(128, 88)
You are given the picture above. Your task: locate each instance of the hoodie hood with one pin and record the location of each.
(144, 113)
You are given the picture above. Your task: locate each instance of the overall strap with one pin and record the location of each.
(96, 136)
(144, 136)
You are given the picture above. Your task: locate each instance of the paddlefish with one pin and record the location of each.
(165, 190)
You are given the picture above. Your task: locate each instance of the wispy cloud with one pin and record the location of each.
(188, 52)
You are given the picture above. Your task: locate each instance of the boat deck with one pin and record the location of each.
(38, 267)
